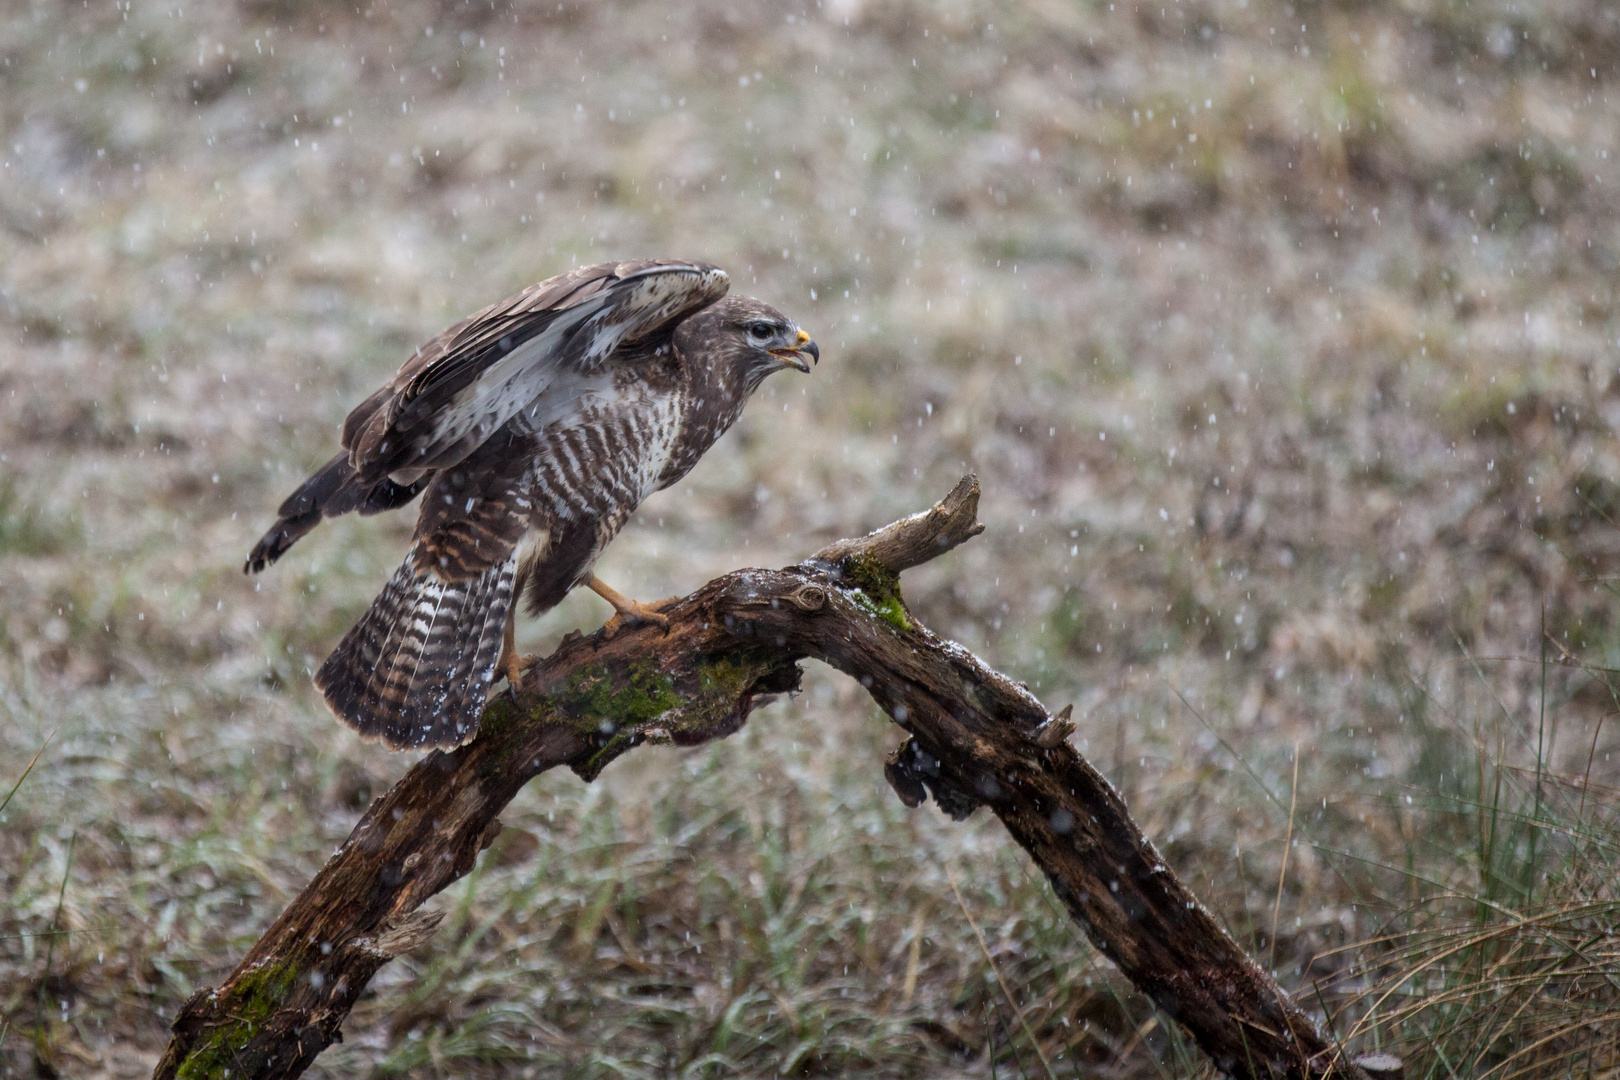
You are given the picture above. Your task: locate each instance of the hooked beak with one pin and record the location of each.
(794, 355)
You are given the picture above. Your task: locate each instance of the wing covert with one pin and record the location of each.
(471, 379)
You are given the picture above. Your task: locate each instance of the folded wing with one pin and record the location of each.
(466, 383)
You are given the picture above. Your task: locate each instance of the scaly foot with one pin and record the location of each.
(626, 611)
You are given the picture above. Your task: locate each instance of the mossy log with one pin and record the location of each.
(977, 739)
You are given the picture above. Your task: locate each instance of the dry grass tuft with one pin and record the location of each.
(1507, 966)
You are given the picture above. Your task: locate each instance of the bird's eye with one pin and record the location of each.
(759, 331)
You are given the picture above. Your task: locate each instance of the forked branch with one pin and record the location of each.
(976, 739)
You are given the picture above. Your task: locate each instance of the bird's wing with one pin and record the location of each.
(463, 385)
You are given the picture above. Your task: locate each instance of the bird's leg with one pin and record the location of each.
(626, 610)
(510, 664)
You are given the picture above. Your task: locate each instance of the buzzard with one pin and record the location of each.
(535, 428)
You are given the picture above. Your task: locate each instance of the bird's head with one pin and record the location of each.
(747, 339)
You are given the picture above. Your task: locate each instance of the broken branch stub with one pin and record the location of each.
(914, 540)
(976, 739)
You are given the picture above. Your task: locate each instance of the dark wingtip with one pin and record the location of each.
(274, 544)
(259, 558)
(263, 554)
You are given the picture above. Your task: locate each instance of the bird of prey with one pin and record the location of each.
(535, 428)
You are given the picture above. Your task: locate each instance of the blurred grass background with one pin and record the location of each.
(1282, 338)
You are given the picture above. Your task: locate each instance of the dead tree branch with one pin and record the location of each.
(976, 739)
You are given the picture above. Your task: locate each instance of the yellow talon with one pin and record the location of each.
(626, 610)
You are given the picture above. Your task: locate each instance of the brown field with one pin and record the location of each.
(1283, 339)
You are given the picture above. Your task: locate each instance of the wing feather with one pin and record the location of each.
(462, 386)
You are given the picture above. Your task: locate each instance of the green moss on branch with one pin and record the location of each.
(256, 996)
(879, 589)
(592, 696)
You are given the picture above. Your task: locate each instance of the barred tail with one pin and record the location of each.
(416, 668)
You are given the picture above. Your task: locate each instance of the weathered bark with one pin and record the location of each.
(977, 739)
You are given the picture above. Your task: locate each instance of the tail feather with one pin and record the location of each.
(481, 644)
(416, 668)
